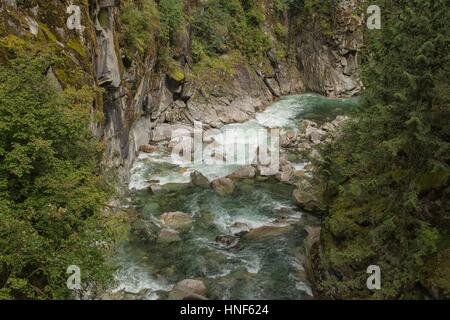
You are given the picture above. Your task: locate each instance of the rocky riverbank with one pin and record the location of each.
(172, 229)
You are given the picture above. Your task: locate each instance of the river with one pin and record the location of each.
(263, 264)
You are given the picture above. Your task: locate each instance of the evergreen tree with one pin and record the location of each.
(387, 177)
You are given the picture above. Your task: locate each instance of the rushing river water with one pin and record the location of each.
(267, 264)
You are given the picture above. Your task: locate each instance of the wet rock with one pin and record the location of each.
(168, 236)
(223, 186)
(239, 229)
(198, 179)
(227, 240)
(308, 196)
(176, 220)
(148, 148)
(144, 231)
(268, 231)
(154, 188)
(247, 172)
(188, 288)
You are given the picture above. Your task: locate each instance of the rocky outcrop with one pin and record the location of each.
(142, 101)
(329, 63)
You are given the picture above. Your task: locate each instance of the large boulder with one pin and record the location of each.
(247, 172)
(198, 179)
(188, 289)
(176, 220)
(223, 186)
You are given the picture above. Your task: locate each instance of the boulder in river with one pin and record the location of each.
(176, 220)
(227, 240)
(223, 186)
(198, 179)
(239, 228)
(188, 289)
(247, 172)
(168, 236)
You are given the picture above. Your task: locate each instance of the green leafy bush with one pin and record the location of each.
(141, 23)
(52, 192)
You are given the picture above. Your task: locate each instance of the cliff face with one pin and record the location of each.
(142, 97)
(329, 61)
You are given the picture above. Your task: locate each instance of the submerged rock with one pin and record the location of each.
(176, 220)
(247, 172)
(188, 289)
(144, 231)
(168, 236)
(223, 186)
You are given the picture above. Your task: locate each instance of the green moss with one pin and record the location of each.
(77, 46)
(48, 34)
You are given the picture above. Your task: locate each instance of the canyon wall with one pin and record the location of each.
(141, 100)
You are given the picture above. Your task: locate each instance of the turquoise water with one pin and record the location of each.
(266, 263)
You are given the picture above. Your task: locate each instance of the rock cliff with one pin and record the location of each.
(142, 93)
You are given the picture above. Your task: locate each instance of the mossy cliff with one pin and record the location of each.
(173, 61)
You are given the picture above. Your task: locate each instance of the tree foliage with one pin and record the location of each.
(387, 177)
(52, 193)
